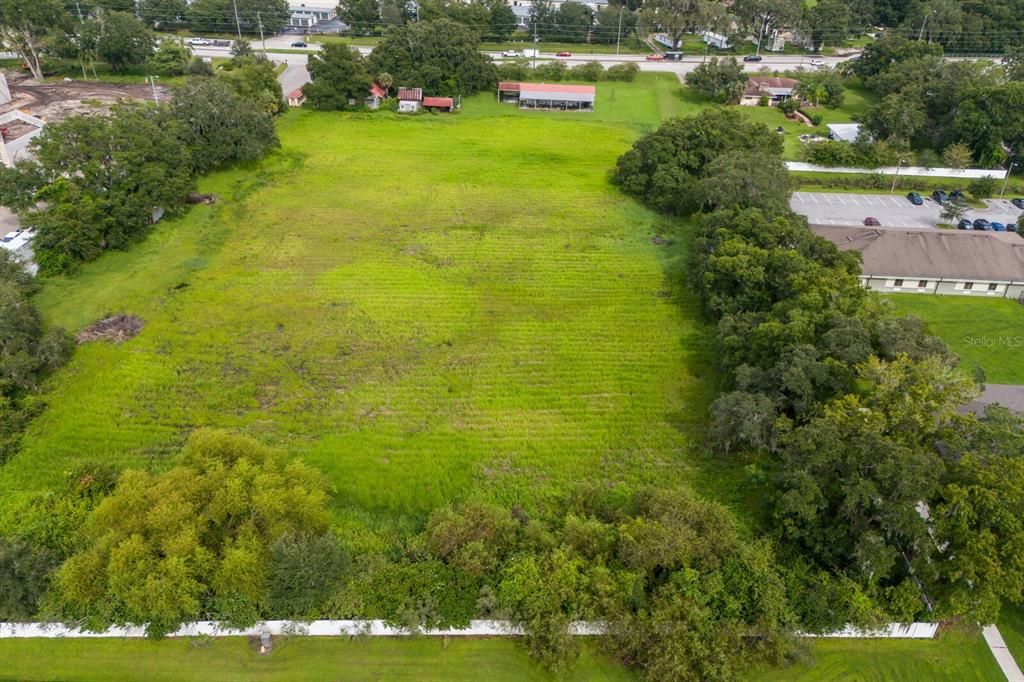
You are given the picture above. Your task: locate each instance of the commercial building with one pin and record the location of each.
(935, 261)
(548, 96)
(306, 13)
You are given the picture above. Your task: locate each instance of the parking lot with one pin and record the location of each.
(892, 210)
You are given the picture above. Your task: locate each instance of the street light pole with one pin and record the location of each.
(920, 34)
(896, 177)
(262, 40)
(152, 83)
(1006, 178)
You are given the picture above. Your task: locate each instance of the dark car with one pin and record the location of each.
(753, 58)
(1018, 202)
(940, 196)
(965, 224)
(956, 194)
(222, 43)
(998, 226)
(914, 198)
(982, 224)
(674, 56)
(871, 222)
(299, 43)
(1011, 227)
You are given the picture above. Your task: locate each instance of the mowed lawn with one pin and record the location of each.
(424, 308)
(984, 332)
(292, 660)
(952, 657)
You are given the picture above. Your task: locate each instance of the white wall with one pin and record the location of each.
(996, 173)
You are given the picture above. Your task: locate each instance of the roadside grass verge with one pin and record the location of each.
(297, 659)
(984, 332)
(1011, 627)
(954, 656)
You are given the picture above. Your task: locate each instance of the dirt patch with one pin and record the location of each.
(55, 101)
(195, 198)
(116, 329)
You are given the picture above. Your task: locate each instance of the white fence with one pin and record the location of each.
(374, 628)
(964, 173)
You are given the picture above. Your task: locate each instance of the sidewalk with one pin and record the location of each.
(1003, 656)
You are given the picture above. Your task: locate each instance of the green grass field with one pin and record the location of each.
(292, 660)
(952, 657)
(984, 332)
(377, 300)
(1011, 627)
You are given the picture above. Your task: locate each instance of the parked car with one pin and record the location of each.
(221, 43)
(1018, 202)
(817, 61)
(564, 54)
(982, 224)
(511, 53)
(10, 236)
(1011, 227)
(753, 58)
(872, 222)
(914, 198)
(299, 43)
(965, 224)
(998, 226)
(199, 41)
(956, 194)
(4, 132)
(940, 196)
(655, 57)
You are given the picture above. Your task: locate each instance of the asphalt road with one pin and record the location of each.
(892, 210)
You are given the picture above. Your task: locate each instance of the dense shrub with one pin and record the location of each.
(589, 71)
(553, 71)
(622, 72)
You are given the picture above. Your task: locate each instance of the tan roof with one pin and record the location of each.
(931, 253)
(769, 86)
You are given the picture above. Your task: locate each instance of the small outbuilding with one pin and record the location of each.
(296, 98)
(774, 90)
(548, 96)
(410, 100)
(438, 103)
(377, 95)
(843, 132)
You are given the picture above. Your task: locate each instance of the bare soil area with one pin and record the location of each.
(54, 102)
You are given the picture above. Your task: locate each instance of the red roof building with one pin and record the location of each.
(377, 91)
(410, 94)
(446, 103)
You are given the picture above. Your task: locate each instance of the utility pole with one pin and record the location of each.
(259, 19)
(896, 177)
(760, 35)
(1006, 178)
(920, 34)
(152, 82)
(79, 9)
(238, 25)
(536, 41)
(618, 34)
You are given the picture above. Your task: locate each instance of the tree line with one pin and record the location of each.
(879, 493)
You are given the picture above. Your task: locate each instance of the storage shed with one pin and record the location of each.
(548, 96)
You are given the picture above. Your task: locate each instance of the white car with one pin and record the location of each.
(817, 61)
(511, 53)
(199, 41)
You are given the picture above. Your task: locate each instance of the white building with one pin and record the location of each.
(935, 261)
(305, 13)
(19, 244)
(843, 132)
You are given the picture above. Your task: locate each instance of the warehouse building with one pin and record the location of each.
(548, 96)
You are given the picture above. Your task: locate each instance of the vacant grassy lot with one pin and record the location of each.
(294, 660)
(1011, 626)
(984, 332)
(423, 308)
(953, 657)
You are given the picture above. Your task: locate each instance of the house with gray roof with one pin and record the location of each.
(935, 261)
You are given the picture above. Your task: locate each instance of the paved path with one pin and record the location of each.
(294, 76)
(1008, 395)
(1003, 656)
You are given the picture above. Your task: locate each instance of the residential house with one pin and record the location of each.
(296, 98)
(548, 96)
(935, 261)
(775, 90)
(409, 100)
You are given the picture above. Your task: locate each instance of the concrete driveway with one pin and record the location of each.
(892, 210)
